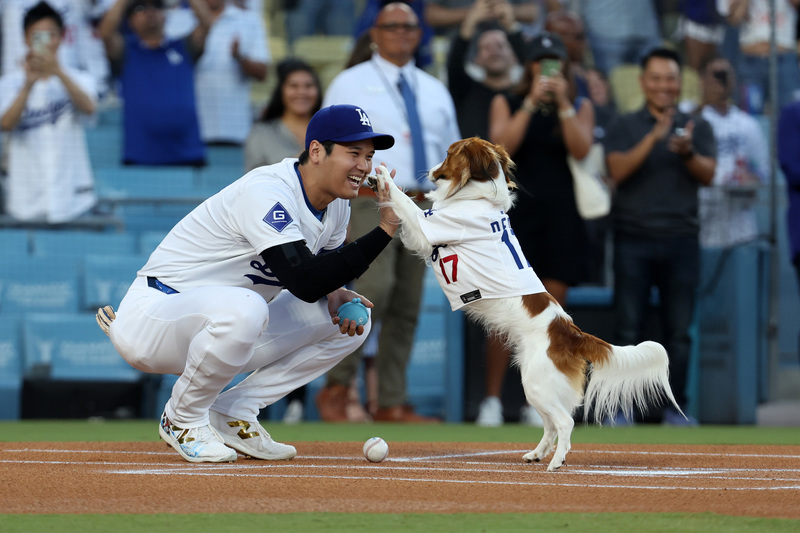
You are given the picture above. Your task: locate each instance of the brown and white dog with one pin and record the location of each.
(552, 353)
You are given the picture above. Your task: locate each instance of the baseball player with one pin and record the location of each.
(210, 302)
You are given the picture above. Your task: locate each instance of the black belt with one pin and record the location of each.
(154, 283)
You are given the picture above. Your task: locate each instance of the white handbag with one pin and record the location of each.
(592, 195)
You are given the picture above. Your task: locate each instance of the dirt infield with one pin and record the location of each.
(418, 477)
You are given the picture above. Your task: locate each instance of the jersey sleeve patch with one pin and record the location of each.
(278, 217)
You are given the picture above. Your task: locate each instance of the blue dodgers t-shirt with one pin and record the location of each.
(160, 114)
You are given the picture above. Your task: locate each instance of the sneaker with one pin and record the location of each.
(490, 412)
(196, 445)
(294, 412)
(529, 416)
(671, 417)
(250, 438)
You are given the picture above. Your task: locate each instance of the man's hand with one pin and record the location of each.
(681, 141)
(340, 297)
(389, 220)
(663, 125)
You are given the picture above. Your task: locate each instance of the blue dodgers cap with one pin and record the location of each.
(344, 123)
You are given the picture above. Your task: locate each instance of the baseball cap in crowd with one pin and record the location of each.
(546, 44)
(344, 123)
(135, 4)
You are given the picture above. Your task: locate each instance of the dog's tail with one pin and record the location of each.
(630, 375)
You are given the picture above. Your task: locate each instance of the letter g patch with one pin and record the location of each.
(278, 217)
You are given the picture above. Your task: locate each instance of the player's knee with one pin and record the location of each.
(246, 317)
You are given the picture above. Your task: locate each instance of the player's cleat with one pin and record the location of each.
(105, 316)
(490, 412)
(250, 438)
(196, 445)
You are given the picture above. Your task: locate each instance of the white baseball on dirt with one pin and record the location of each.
(376, 450)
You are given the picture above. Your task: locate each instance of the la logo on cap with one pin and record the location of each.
(364, 117)
(546, 42)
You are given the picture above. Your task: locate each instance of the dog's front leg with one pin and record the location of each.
(407, 211)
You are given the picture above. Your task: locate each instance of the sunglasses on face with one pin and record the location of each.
(394, 27)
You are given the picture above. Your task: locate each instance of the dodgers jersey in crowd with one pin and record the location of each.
(476, 253)
(219, 242)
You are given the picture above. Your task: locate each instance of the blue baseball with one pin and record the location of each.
(354, 311)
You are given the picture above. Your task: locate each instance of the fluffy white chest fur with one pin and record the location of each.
(551, 351)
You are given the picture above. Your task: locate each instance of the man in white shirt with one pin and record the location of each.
(726, 207)
(42, 104)
(394, 283)
(236, 52)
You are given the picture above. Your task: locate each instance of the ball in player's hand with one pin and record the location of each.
(376, 450)
(355, 311)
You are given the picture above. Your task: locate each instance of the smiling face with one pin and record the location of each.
(341, 172)
(300, 93)
(661, 83)
(494, 53)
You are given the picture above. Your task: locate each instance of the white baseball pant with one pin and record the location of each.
(210, 334)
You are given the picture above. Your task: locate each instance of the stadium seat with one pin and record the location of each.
(14, 243)
(39, 285)
(321, 50)
(104, 143)
(72, 347)
(158, 216)
(147, 184)
(217, 177)
(227, 156)
(106, 278)
(81, 243)
(10, 368)
(149, 240)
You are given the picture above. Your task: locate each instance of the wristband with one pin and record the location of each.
(528, 106)
(567, 113)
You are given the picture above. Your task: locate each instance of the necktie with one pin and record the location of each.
(417, 143)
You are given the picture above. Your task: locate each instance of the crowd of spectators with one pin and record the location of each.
(183, 71)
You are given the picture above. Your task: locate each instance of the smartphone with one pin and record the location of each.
(550, 67)
(40, 40)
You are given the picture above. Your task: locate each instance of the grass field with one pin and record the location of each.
(119, 431)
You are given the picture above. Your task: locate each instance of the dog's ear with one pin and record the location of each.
(482, 159)
(507, 165)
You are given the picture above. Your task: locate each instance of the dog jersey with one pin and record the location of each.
(219, 242)
(475, 253)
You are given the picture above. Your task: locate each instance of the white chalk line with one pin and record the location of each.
(610, 470)
(458, 481)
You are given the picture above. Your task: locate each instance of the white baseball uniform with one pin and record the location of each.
(476, 253)
(216, 309)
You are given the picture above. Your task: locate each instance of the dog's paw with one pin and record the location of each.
(531, 457)
(378, 181)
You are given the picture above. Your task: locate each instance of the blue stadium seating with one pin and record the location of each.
(229, 156)
(14, 242)
(147, 184)
(149, 241)
(159, 217)
(73, 347)
(104, 143)
(107, 278)
(217, 177)
(10, 368)
(39, 285)
(47, 243)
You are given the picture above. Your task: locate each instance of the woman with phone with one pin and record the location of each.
(539, 123)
